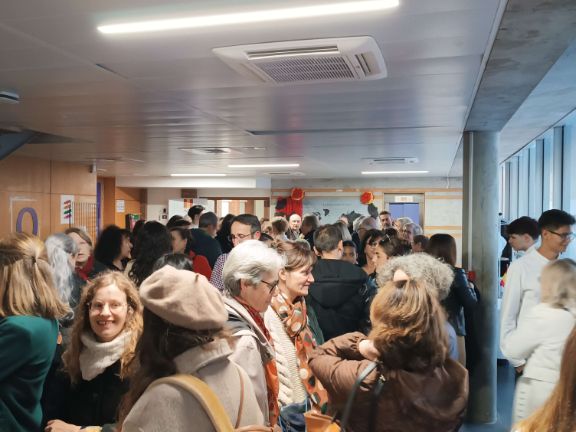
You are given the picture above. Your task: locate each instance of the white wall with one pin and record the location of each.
(157, 201)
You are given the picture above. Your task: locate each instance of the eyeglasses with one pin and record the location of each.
(271, 285)
(233, 237)
(99, 306)
(564, 236)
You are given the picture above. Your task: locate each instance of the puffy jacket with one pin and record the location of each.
(338, 297)
(432, 401)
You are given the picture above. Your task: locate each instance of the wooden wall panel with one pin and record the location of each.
(35, 184)
(72, 179)
(12, 204)
(20, 174)
(108, 201)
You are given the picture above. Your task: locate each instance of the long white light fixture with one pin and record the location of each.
(249, 17)
(392, 172)
(197, 175)
(290, 165)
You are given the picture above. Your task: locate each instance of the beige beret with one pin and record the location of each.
(184, 298)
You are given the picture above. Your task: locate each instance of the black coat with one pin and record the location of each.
(338, 297)
(88, 403)
(462, 295)
(205, 245)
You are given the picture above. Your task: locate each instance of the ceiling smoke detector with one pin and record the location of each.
(324, 60)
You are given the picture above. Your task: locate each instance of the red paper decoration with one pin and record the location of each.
(297, 194)
(367, 198)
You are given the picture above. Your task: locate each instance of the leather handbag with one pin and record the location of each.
(211, 404)
(316, 422)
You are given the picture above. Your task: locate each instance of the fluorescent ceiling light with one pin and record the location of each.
(393, 172)
(198, 175)
(250, 17)
(295, 165)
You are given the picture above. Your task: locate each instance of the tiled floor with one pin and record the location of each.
(506, 381)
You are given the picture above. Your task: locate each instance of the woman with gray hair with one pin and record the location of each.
(62, 250)
(250, 278)
(422, 267)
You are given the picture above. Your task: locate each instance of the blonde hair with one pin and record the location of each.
(557, 414)
(134, 323)
(408, 326)
(26, 280)
(558, 281)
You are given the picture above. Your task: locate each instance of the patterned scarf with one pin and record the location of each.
(295, 321)
(271, 372)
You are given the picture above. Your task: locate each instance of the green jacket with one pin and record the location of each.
(27, 346)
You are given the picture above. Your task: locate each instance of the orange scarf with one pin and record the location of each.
(295, 321)
(270, 370)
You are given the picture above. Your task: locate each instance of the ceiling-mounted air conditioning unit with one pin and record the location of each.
(392, 160)
(326, 60)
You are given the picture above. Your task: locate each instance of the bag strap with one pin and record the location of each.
(205, 396)
(376, 392)
(352, 396)
(241, 406)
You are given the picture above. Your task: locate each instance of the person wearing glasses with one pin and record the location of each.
(522, 289)
(250, 279)
(244, 227)
(106, 329)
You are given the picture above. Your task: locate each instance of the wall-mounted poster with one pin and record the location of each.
(329, 209)
(66, 209)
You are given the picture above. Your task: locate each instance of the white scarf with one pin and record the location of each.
(97, 356)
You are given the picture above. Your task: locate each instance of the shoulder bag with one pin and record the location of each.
(210, 402)
(316, 422)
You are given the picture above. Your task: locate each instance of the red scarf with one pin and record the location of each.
(270, 370)
(84, 272)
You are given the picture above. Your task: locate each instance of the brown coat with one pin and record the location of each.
(410, 401)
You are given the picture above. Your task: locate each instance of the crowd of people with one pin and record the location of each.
(210, 323)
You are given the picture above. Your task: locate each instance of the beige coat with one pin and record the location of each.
(169, 408)
(251, 351)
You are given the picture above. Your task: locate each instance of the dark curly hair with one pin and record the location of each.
(109, 244)
(152, 242)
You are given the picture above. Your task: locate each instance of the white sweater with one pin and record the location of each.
(291, 387)
(521, 294)
(540, 338)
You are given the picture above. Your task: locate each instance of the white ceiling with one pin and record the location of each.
(169, 91)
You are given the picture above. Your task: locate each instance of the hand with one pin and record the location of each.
(520, 369)
(60, 426)
(367, 349)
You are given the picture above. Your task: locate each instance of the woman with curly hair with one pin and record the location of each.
(152, 242)
(100, 355)
(413, 385)
(113, 247)
(29, 309)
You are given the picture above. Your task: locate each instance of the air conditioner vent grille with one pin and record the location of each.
(256, 55)
(307, 69)
(306, 61)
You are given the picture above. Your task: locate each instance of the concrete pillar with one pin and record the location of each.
(481, 230)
